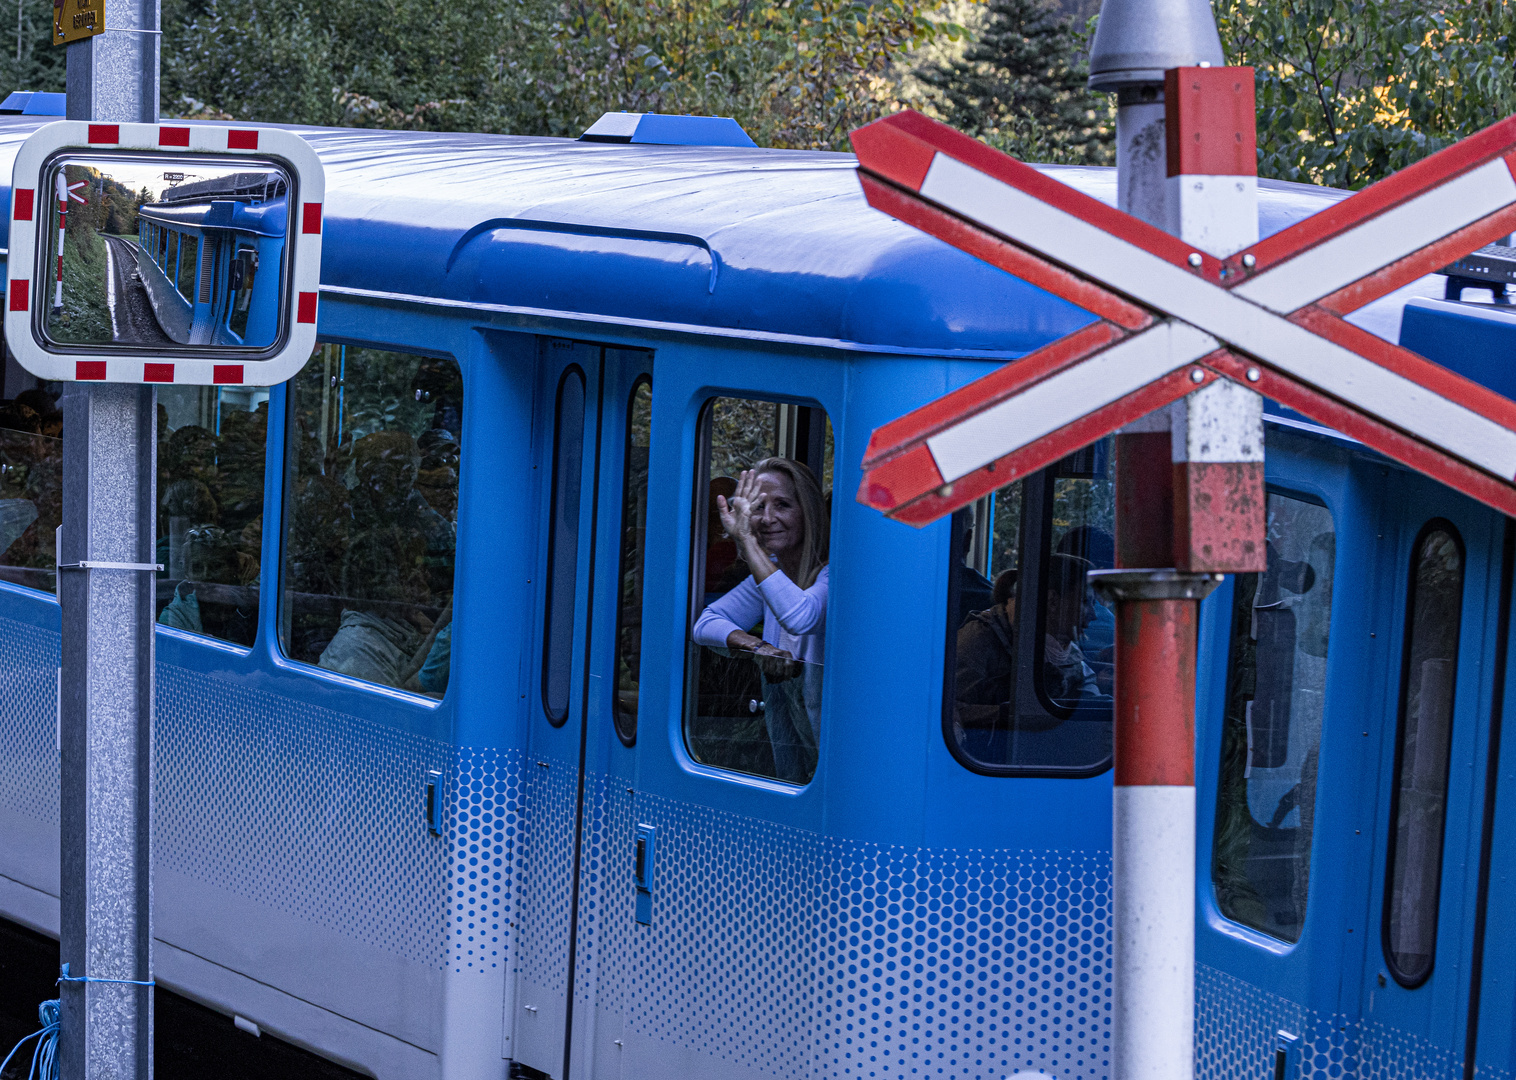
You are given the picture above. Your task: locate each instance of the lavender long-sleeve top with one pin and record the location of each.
(793, 618)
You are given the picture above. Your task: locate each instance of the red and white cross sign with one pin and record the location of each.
(1171, 318)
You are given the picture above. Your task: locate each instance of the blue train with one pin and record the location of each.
(450, 786)
(204, 242)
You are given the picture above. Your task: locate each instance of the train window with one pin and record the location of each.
(239, 286)
(755, 652)
(1419, 805)
(563, 546)
(212, 444)
(1276, 683)
(1028, 685)
(370, 517)
(639, 421)
(189, 266)
(31, 484)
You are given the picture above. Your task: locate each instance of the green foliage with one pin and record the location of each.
(33, 63)
(792, 72)
(1352, 90)
(1020, 86)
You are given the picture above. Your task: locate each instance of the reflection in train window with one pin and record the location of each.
(212, 444)
(1028, 684)
(188, 267)
(756, 653)
(563, 546)
(1276, 680)
(639, 421)
(31, 486)
(370, 517)
(1426, 723)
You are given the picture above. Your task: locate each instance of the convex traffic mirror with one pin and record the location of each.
(164, 262)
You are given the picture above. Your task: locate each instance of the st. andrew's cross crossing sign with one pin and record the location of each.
(1171, 318)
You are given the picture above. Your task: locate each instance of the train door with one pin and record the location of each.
(1433, 733)
(592, 411)
(1342, 761)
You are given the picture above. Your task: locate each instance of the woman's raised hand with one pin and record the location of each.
(737, 512)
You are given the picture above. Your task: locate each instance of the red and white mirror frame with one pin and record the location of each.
(204, 365)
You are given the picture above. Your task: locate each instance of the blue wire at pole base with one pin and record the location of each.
(49, 1013)
(45, 1053)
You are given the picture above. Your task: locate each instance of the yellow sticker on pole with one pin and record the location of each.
(74, 20)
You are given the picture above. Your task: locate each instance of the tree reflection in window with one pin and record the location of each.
(371, 516)
(1276, 693)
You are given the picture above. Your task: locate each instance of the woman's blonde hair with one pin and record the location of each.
(815, 546)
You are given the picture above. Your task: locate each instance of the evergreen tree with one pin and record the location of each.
(1021, 87)
(28, 58)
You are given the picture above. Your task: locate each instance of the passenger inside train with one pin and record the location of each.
(778, 520)
(31, 486)
(373, 493)
(1030, 665)
(728, 696)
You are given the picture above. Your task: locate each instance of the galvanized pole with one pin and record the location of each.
(109, 511)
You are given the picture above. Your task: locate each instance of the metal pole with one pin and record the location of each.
(1166, 465)
(109, 511)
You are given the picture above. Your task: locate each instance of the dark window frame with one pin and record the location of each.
(552, 541)
(1435, 525)
(1039, 486)
(628, 738)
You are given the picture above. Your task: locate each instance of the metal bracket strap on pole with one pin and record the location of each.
(95, 564)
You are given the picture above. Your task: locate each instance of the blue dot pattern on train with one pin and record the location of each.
(885, 962)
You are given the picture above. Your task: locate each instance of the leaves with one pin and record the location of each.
(795, 73)
(1350, 91)
(1022, 88)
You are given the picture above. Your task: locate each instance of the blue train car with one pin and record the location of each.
(199, 250)
(449, 785)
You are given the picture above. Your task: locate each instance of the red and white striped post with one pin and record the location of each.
(1189, 508)
(61, 183)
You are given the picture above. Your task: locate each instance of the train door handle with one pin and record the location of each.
(643, 865)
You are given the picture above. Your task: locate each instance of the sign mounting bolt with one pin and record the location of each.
(1196, 375)
(1249, 260)
(1195, 259)
(1253, 374)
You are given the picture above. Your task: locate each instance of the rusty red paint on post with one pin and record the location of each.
(1219, 516)
(1155, 692)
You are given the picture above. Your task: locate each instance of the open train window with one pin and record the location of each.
(1276, 693)
(1419, 805)
(1029, 654)
(370, 515)
(755, 653)
(639, 424)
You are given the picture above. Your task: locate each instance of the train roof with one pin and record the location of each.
(734, 241)
(260, 219)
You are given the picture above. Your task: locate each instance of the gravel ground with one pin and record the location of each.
(135, 321)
